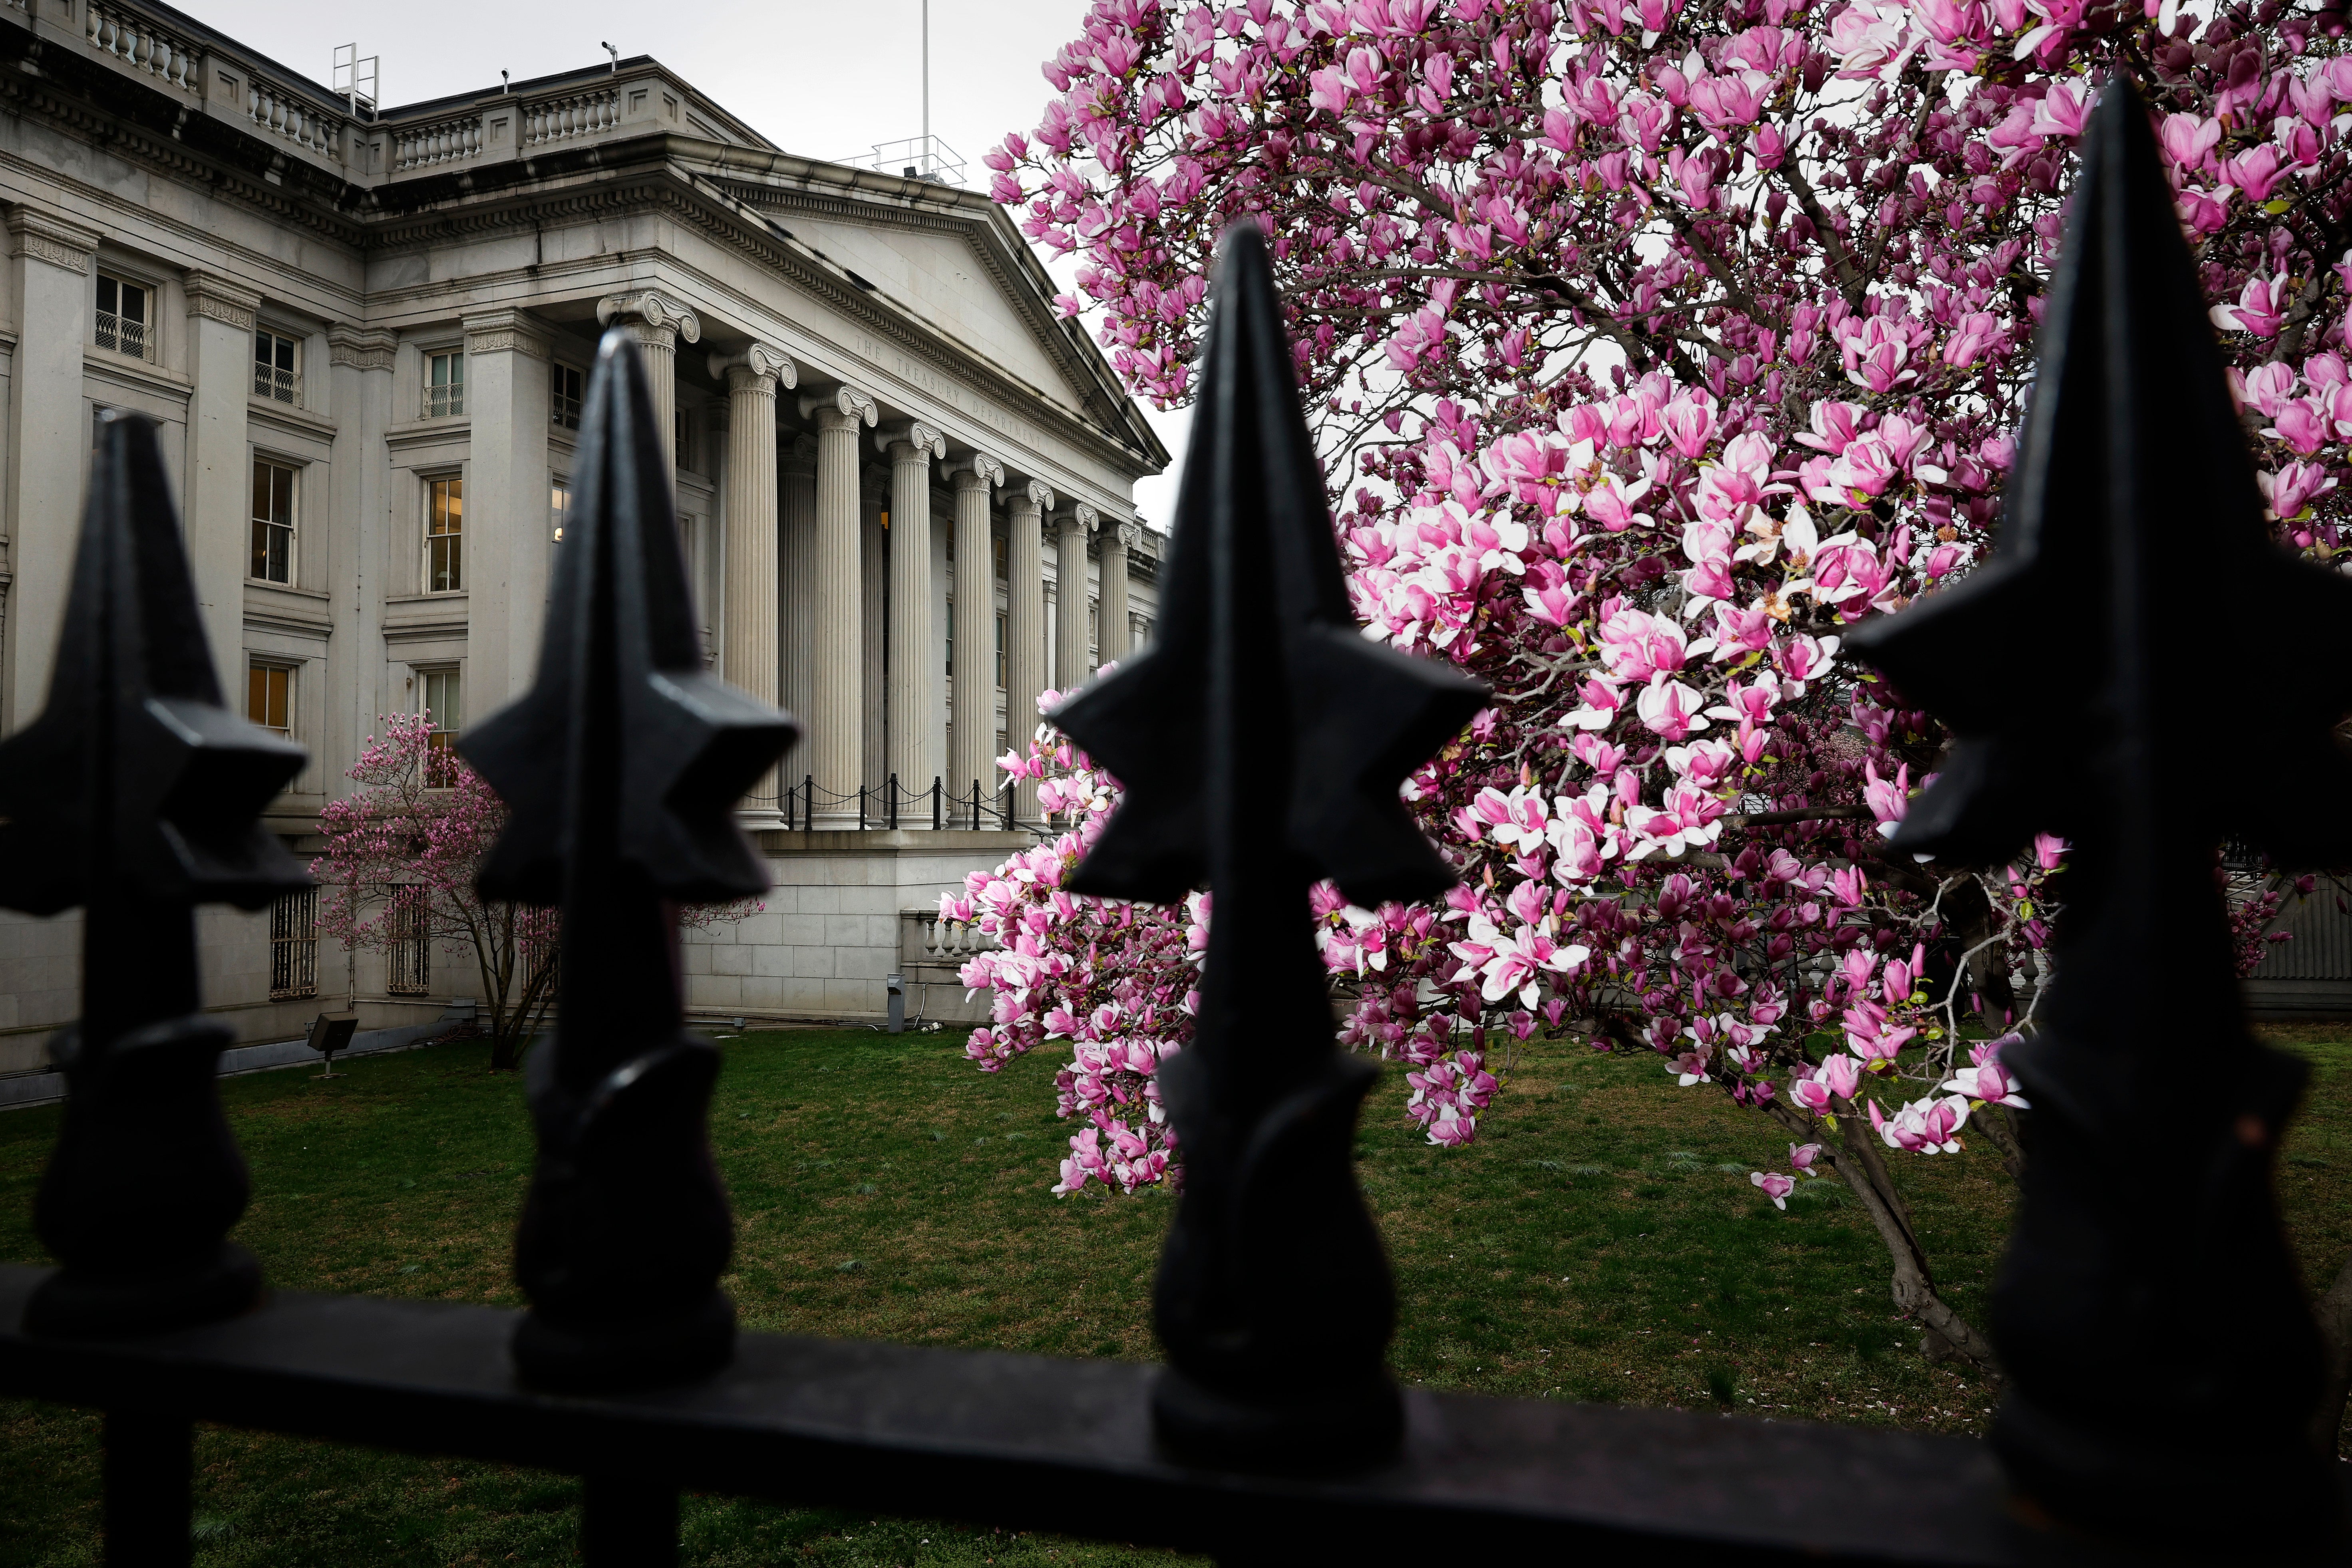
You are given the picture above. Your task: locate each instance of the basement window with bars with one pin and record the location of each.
(567, 392)
(125, 316)
(294, 945)
(276, 366)
(409, 957)
(445, 384)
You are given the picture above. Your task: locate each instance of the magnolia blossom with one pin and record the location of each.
(1775, 1186)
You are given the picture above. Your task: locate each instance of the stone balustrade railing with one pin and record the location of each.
(293, 117)
(140, 43)
(925, 938)
(442, 141)
(550, 119)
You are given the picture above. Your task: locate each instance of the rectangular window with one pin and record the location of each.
(273, 522)
(125, 316)
(276, 366)
(269, 698)
(409, 964)
(951, 664)
(1000, 653)
(559, 507)
(294, 946)
(567, 386)
(999, 542)
(445, 384)
(445, 535)
(441, 699)
(681, 425)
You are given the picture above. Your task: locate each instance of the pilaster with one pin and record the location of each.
(510, 546)
(221, 316)
(48, 443)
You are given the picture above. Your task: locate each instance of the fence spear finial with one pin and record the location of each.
(2162, 1358)
(1261, 743)
(622, 767)
(137, 795)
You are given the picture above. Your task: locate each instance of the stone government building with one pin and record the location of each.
(364, 335)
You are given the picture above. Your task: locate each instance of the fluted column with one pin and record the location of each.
(658, 323)
(974, 755)
(1071, 667)
(749, 659)
(796, 570)
(874, 583)
(836, 715)
(1024, 625)
(916, 714)
(1116, 543)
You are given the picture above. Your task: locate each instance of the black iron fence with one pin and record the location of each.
(2163, 1364)
(808, 806)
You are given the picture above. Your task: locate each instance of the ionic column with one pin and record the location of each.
(1070, 666)
(749, 659)
(1024, 625)
(796, 569)
(221, 316)
(1116, 543)
(836, 715)
(658, 323)
(874, 583)
(974, 755)
(915, 717)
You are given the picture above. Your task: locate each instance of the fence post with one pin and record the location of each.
(808, 803)
(623, 765)
(935, 803)
(1273, 1299)
(2146, 1234)
(136, 795)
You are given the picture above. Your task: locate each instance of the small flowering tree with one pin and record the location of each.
(401, 853)
(1655, 343)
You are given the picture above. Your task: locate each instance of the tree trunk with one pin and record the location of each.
(1913, 1285)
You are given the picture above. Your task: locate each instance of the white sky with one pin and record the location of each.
(820, 77)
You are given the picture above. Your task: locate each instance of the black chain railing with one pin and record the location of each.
(2163, 1362)
(808, 806)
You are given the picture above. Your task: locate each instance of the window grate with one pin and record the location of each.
(276, 367)
(445, 384)
(294, 946)
(409, 955)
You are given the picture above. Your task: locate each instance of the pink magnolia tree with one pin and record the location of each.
(402, 852)
(1653, 344)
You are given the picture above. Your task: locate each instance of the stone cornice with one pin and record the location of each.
(216, 298)
(362, 348)
(56, 240)
(506, 331)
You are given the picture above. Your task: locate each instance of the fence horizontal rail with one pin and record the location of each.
(1034, 1441)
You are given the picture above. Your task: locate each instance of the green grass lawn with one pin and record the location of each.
(1601, 1243)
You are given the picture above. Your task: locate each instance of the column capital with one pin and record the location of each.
(845, 404)
(362, 348)
(755, 361)
(654, 312)
(505, 331)
(925, 439)
(1081, 518)
(1037, 493)
(799, 454)
(978, 469)
(216, 298)
(1128, 534)
(56, 240)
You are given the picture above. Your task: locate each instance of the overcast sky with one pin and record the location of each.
(822, 79)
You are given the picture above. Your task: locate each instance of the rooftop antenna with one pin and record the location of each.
(926, 87)
(617, 55)
(355, 80)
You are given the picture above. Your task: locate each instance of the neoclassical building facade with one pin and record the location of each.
(904, 484)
